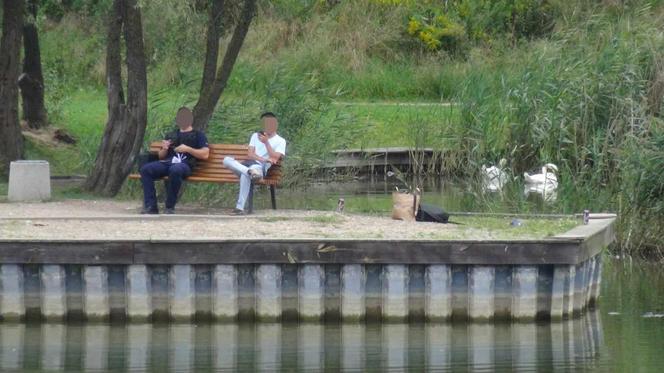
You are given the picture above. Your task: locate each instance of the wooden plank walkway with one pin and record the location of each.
(380, 158)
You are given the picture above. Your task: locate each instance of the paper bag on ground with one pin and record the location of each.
(404, 206)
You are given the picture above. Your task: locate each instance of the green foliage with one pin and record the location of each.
(449, 24)
(436, 30)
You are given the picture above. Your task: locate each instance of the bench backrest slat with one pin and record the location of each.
(213, 168)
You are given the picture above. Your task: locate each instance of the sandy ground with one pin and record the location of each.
(103, 219)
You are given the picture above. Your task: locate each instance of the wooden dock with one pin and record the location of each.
(377, 160)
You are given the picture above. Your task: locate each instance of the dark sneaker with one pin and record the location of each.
(169, 211)
(147, 211)
(238, 212)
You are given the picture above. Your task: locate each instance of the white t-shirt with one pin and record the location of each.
(277, 143)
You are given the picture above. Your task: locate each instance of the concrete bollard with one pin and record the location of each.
(438, 293)
(12, 306)
(54, 295)
(524, 292)
(95, 293)
(560, 290)
(224, 292)
(139, 302)
(311, 292)
(568, 296)
(183, 293)
(268, 292)
(480, 300)
(579, 283)
(29, 181)
(395, 292)
(353, 279)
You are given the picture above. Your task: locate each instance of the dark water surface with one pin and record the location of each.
(624, 334)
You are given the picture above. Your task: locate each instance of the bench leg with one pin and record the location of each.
(250, 199)
(273, 197)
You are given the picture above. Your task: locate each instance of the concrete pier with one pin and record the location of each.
(568, 294)
(303, 280)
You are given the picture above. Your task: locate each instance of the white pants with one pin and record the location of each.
(245, 181)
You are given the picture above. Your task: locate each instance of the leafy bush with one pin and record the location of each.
(449, 24)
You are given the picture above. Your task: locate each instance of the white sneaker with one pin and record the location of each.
(254, 174)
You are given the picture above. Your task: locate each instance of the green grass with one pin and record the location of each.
(501, 226)
(57, 193)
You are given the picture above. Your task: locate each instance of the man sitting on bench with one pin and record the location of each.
(177, 158)
(265, 149)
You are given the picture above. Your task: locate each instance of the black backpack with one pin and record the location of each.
(431, 213)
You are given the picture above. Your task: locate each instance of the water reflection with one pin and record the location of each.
(304, 347)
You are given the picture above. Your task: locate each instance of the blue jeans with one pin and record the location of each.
(156, 170)
(241, 169)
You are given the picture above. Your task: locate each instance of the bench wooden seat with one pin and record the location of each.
(212, 170)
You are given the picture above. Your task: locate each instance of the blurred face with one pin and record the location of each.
(184, 119)
(270, 125)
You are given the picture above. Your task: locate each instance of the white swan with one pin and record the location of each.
(545, 183)
(494, 178)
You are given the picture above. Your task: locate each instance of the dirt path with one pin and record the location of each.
(104, 219)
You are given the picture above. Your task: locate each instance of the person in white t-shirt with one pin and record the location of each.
(265, 149)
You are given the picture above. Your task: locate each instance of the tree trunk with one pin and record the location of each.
(11, 139)
(125, 128)
(212, 47)
(214, 82)
(31, 81)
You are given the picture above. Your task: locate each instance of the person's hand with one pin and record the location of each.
(262, 138)
(182, 149)
(165, 144)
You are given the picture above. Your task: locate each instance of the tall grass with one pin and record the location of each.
(581, 101)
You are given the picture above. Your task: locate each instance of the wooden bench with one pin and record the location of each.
(212, 170)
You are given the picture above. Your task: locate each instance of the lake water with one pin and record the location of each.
(626, 333)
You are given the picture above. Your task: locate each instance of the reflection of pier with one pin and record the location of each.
(381, 160)
(305, 347)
